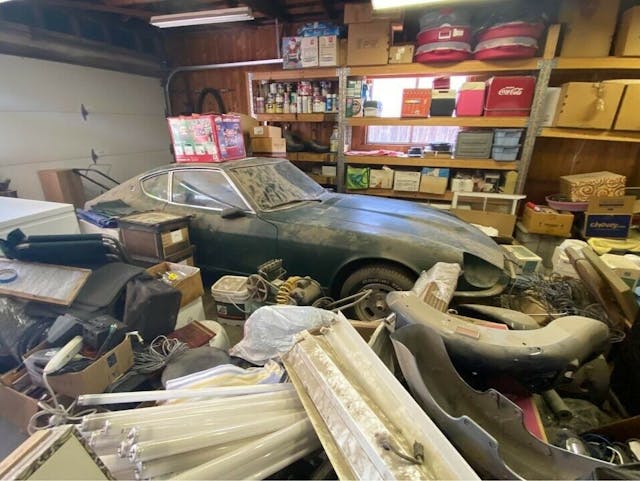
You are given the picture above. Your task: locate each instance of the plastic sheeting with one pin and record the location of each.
(271, 331)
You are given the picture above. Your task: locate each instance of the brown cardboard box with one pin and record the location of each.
(584, 187)
(503, 223)
(588, 105)
(328, 51)
(364, 12)
(268, 145)
(368, 43)
(628, 118)
(549, 222)
(15, 406)
(628, 36)
(62, 185)
(190, 284)
(381, 178)
(98, 375)
(609, 217)
(430, 184)
(588, 27)
(401, 53)
(260, 131)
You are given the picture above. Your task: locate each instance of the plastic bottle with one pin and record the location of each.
(333, 140)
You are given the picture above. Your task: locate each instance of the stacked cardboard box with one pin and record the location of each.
(369, 34)
(267, 140)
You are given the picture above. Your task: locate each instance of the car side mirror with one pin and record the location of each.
(232, 213)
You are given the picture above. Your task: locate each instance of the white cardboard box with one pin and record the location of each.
(329, 170)
(381, 178)
(328, 47)
(407, 181)
(309, 51)
(628, 271)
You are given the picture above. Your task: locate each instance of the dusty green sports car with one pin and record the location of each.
(249, 211)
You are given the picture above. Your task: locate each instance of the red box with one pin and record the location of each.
(416, 102)
(207, 138)
(471, 100)
(509, 96)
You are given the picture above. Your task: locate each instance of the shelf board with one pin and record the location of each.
(447, 196)
(466, 67)
(432, 162)
(441, 121)
(331, 117)
(588, 134)
(295, 75)
(598, 63)
(311, 157)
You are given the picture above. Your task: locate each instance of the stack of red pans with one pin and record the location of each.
(511, 40)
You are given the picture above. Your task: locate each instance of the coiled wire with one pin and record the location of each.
(161, 350)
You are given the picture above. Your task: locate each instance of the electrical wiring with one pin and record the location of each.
(161, 350)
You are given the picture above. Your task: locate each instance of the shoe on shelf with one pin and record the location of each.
(313, 146)
(294, 142)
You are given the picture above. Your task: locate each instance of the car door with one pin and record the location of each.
(233, 245)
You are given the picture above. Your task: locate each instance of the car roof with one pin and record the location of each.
(231, 164)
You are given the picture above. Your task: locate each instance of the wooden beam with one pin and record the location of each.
(97, 7)
(329, 8)
(125, 3)
(271, 8)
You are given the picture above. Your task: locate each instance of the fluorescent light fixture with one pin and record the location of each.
(387, 4)
(223, 15)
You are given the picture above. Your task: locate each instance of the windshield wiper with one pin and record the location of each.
(294, 201)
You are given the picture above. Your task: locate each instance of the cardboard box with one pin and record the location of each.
(364, 12)
(583, 187)
(549, 222)
(628, 36)
(551, 101)
(16, 406)
(503, 223)
(98, 375)
(266, 131)
(268, 145)
(207, 138)
(588, 105)
(609, 217)
(189, 281)
(628, 118)
(401, 53)
(368, 43)
(416, 102)
(329, 51)
(407, 181)
(588, 27)
(527, 261)
(299, 52)
(62, 185)
(310, 52)
(541, 244)
(628, 270)
(329, 170)
(434, 180)
(381, 178)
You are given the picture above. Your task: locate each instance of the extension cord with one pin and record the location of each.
(64, 355)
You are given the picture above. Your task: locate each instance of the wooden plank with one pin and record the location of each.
(590, 134)
(313, 157)
(447, 196)
(551, 45)
(598, 63)
(457, 68)
(44, 282)
(325, 117)
(431, 162)
(295, 75)
(621, 291)
(488, 122)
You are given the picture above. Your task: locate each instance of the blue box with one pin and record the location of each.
(609, 217)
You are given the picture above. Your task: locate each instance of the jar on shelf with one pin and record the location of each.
(260, 105)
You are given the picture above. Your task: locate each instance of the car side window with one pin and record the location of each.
(156, 186)
(204, 188)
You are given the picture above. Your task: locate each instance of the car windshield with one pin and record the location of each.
(275, 185)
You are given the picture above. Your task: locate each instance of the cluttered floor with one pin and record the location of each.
(144, 374)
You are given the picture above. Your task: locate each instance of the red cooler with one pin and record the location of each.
(471, 99)
(509, 96)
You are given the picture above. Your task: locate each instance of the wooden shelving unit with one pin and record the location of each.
(488, 164)
(323, 179)
(467, 67)
(447, 196)
(325, 117)
(299, 74)
(587, 134)
(311, 157)
(489, 122)
(599, 63)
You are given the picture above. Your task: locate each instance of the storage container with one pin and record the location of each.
(507, 137)
(505, 154)
(416, 102)
(509, 96)
(154, 235)
(506, 48)
(231, 295)
(475, 144)
(526, 261)
(184, 256)
(207, 138)
(443, 103)
(471, 99)
(445, 16)
(511, 29)
(443, 52)
(446, 33)
(588, 105)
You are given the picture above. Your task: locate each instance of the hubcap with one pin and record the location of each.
(375, 306)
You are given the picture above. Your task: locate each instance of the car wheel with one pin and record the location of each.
(381, 280)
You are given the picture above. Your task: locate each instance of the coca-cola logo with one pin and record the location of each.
(511, 91)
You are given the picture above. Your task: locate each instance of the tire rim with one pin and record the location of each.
(375, 306)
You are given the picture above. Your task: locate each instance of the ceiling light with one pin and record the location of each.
(223, 15)
(384, 4)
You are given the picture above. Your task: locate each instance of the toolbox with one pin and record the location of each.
(154, 235)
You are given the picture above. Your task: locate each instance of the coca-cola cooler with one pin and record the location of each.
(509, 96)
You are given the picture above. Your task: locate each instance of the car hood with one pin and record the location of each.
(380, 216)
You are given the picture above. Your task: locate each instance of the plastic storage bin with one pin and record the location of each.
(231, 295)
(505, 154)
(475, 145)
(507, 137)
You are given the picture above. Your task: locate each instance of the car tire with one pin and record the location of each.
(382, 279)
